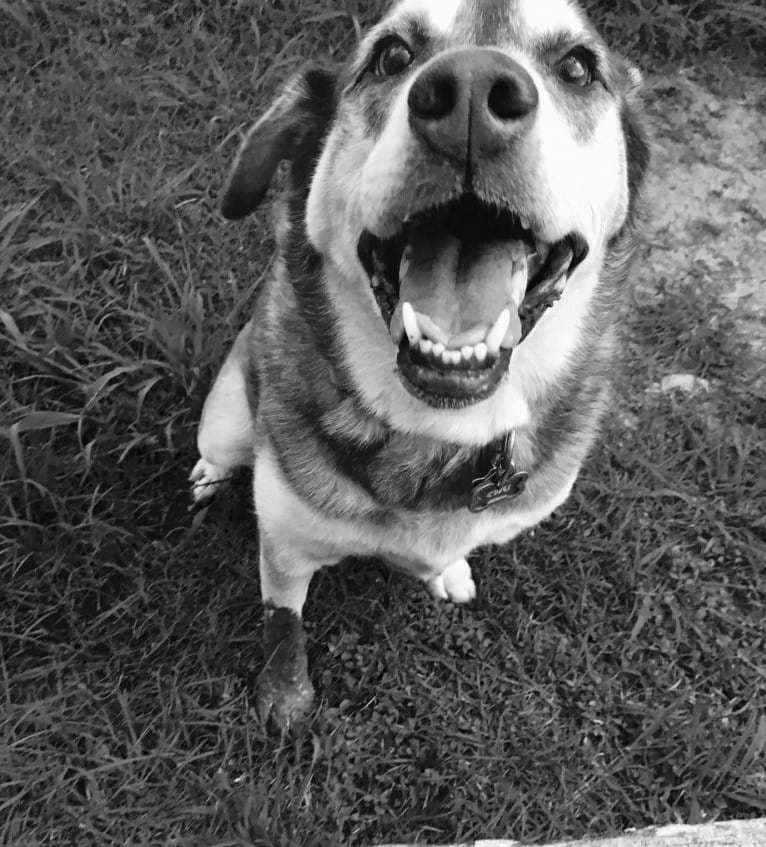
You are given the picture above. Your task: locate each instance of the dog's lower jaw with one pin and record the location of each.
(428, 384)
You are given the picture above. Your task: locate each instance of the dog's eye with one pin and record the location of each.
(392, 57)
(576, 68)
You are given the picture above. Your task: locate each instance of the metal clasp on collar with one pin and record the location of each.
(503, 483)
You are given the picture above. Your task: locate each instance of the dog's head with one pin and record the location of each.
(470, 181)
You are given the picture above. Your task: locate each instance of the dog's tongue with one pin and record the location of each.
(458, 290)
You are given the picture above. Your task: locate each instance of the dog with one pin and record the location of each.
(426, 366)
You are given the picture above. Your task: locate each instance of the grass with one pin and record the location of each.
(664, 32)
(613, 674)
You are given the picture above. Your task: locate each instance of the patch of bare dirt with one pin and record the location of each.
(707, 195)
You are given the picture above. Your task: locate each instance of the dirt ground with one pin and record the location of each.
(707, 194)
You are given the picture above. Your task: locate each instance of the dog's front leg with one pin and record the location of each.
(284, 690)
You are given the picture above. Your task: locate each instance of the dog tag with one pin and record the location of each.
(502, 484)
(493, 489)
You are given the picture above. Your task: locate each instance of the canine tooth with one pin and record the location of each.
(426, 346)
(375, 281)
(481, 352)
(411, 324)
(497, 333)
(519, 279)
(525, 223)
(404, 267)
(396, 327)
(466, 352)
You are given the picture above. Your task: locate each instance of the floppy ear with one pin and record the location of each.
(292, 128)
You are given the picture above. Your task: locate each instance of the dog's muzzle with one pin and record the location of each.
(453, 284)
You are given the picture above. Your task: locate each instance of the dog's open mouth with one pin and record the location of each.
(459, 286)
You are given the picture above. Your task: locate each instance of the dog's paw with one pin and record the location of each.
(206, 480)
(454, 583)
(285, 700)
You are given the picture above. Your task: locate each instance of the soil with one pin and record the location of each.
(707, 194)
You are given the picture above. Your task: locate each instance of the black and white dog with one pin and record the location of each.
(426, 367)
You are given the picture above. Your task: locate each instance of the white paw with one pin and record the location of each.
(207, 479)
(454, 583)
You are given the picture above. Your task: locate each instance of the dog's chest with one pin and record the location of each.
(439, 527)
(399, 470)
(420, 540)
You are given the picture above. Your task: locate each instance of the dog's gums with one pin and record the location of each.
(459, 287)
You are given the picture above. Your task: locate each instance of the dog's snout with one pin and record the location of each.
(471, 102)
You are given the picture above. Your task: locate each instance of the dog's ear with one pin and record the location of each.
(634, 80)
(631, 80)
(292, 129)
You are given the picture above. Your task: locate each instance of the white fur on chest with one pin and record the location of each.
(423, 542)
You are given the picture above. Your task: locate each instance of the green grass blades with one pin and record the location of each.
(613, 673)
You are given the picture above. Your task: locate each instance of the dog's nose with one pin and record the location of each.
(471, 102)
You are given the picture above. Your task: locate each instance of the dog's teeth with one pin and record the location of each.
(375, 281)
(411, 324)
(525, 223)
(404, 267)
(519, 279)
(437, 350)
(466, 352)
(497, 333)
(431, 330)
(480, 351)
(426, 346)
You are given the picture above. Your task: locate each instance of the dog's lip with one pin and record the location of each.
(450, 388)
